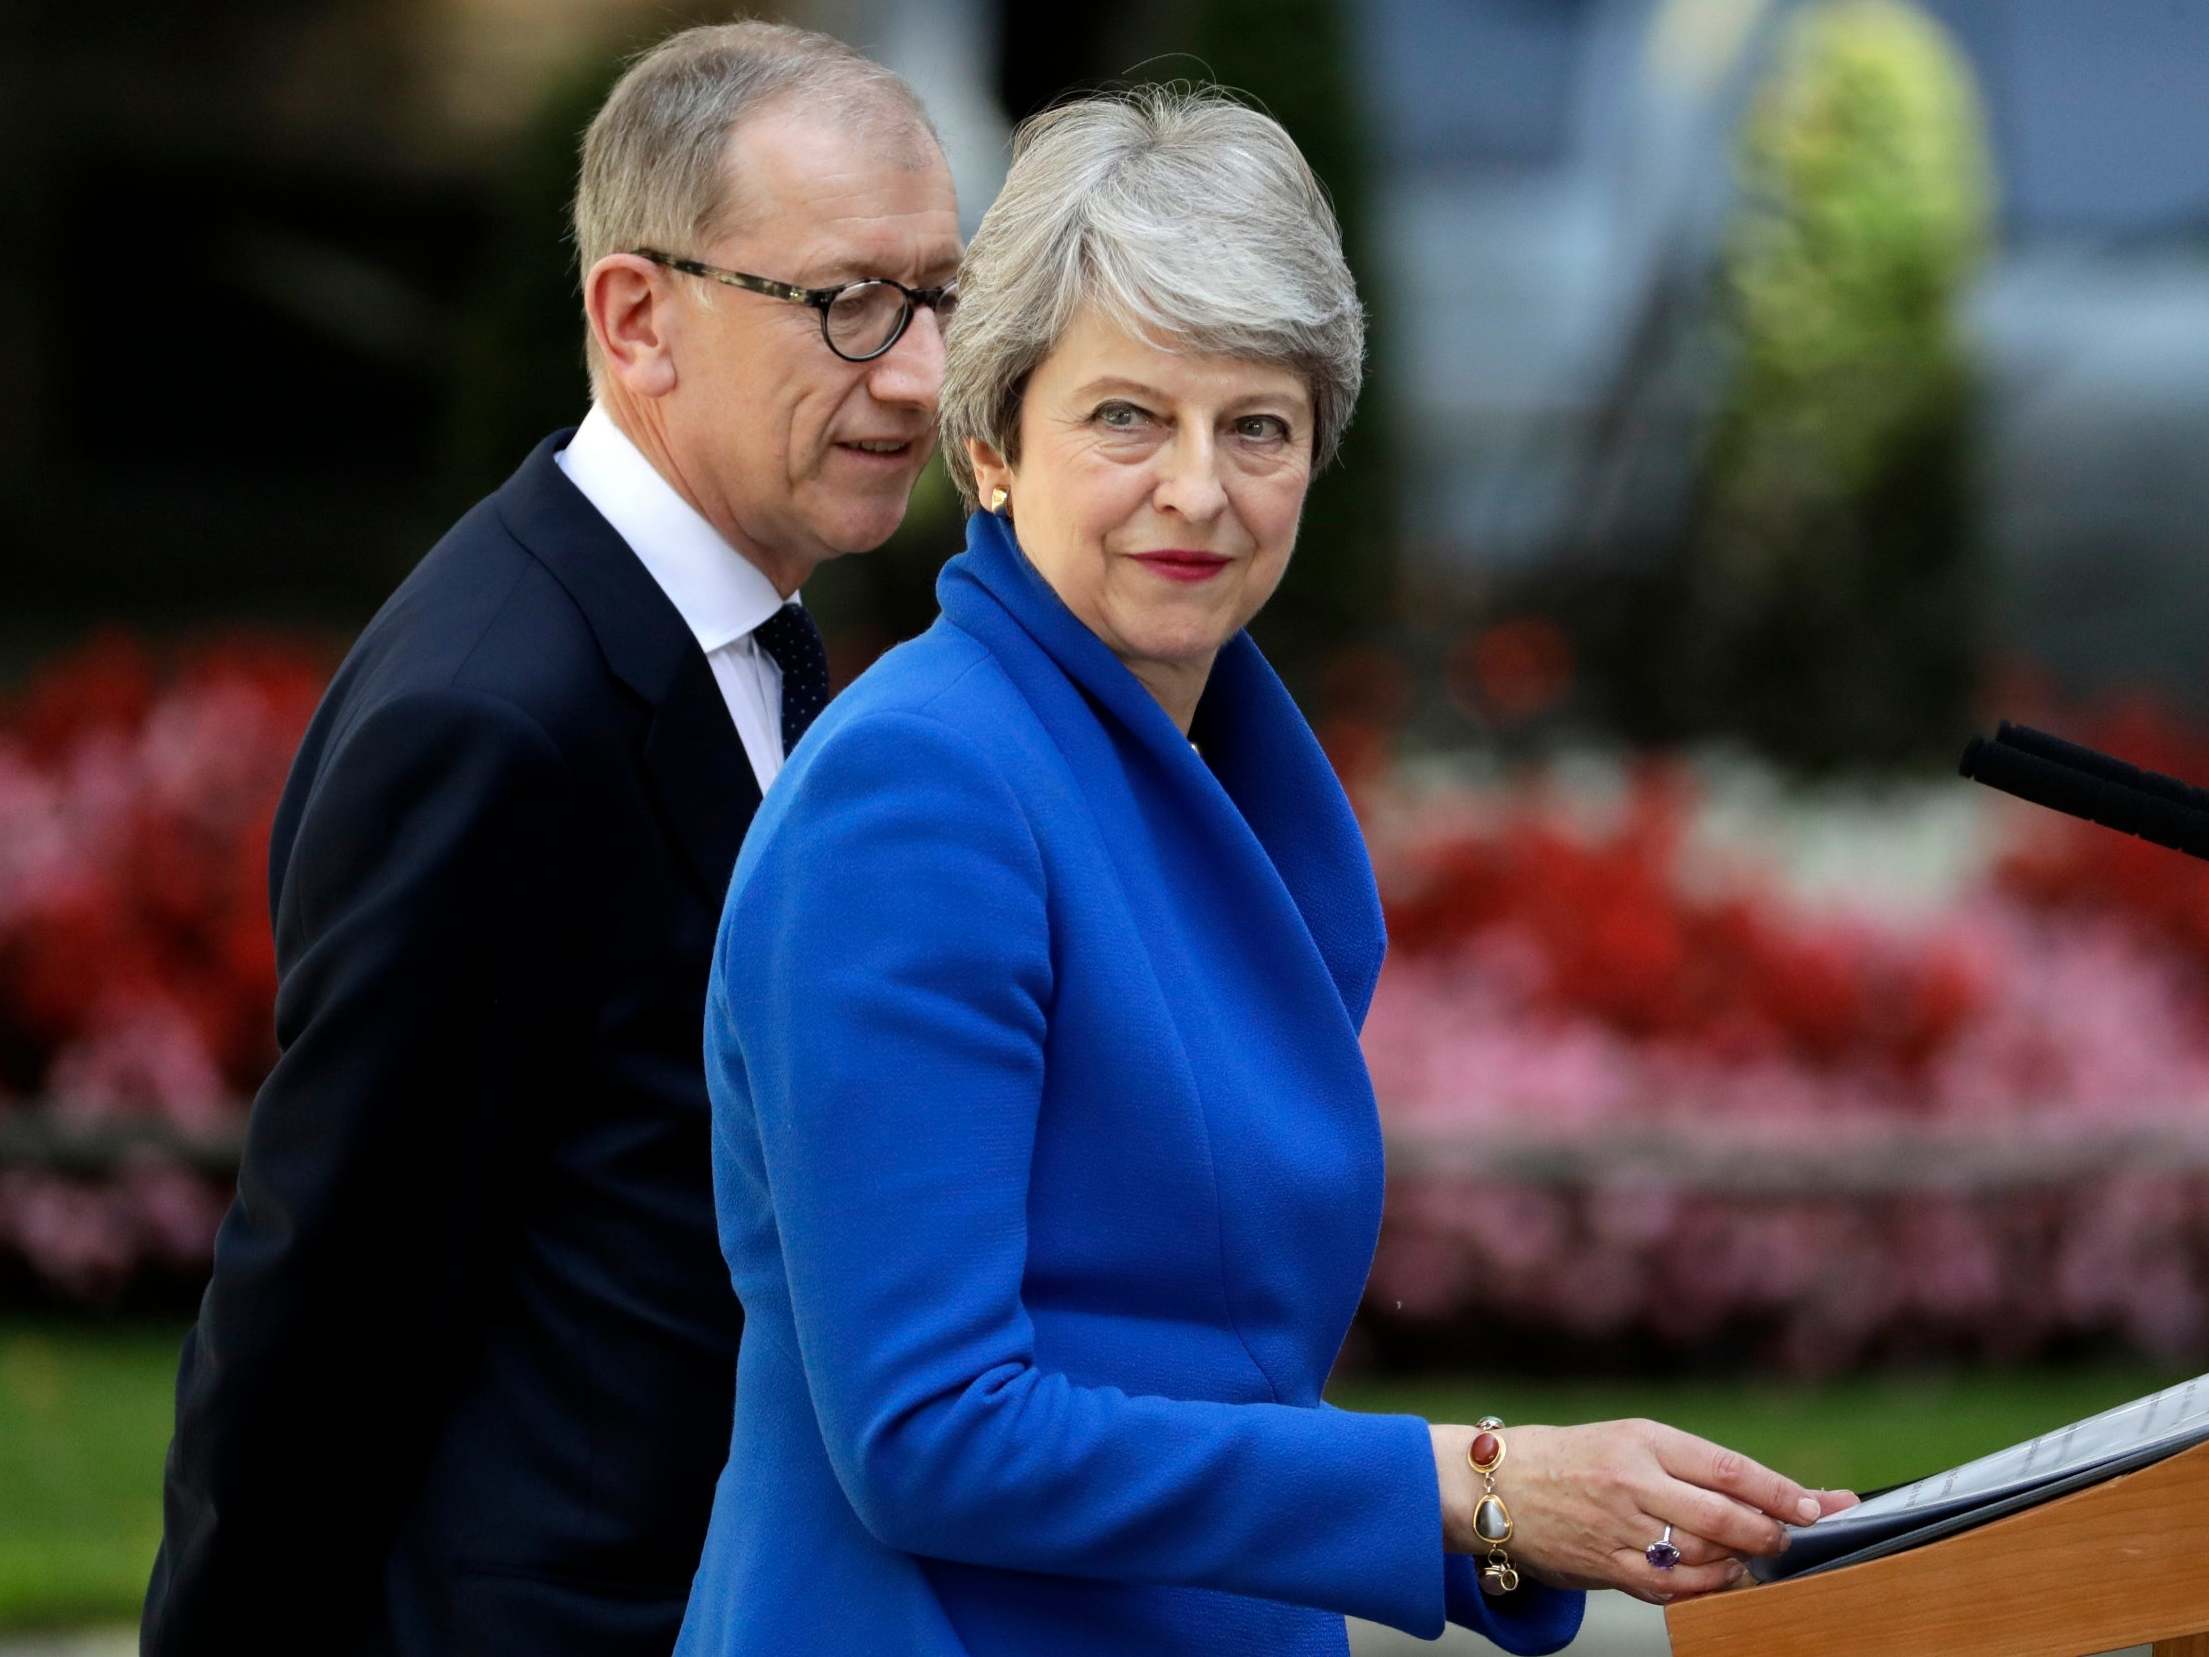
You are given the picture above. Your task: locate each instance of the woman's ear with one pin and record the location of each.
(992, 475)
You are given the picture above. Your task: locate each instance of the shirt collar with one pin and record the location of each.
(720, 594)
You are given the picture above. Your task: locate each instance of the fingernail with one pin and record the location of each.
(1808, 1508)
(1735, 1572)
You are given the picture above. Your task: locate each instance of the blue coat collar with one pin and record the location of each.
(1262, 778)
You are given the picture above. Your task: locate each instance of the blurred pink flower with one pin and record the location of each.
(1514, 1015)
(144, 1059)
(136, 968)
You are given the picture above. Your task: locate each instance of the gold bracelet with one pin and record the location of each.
(1491, 1519)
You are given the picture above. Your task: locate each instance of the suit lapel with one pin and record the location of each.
(698, 771)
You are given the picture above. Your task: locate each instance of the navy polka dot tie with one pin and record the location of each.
(790, 637)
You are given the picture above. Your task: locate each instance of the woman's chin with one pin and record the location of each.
(1182, 649)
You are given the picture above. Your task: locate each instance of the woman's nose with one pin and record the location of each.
(1189, 478)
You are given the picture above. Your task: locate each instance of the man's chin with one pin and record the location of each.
(845, 538)
(867, 526)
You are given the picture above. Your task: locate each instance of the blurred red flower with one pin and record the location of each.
(136, 968)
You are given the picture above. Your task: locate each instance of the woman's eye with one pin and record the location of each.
(1262, 428)
(1120, 416)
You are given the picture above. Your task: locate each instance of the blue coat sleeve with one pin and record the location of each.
(1533, 1619)
(889, 1013)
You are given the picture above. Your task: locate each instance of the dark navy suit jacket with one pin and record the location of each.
(461, 1378)
(1049, 1173)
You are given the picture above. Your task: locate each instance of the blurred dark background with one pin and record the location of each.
(1722, 351)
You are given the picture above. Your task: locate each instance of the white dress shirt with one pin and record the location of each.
(720, 594)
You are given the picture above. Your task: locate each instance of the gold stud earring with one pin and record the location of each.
(997, 500)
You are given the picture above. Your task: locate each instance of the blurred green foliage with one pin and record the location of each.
(1834, 582)
(85, 1416)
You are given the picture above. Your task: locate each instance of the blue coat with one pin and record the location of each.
(1049, 1175)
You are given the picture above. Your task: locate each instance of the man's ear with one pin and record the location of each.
(631, 311)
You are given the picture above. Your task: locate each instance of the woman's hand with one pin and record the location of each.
(1585, 1502)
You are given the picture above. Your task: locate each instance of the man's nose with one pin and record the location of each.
(910, 373)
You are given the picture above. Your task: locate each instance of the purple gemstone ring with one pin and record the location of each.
(1661, 1553)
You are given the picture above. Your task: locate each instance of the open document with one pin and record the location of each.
(2086, 1452)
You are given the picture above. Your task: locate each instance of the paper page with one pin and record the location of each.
(2130, 1435)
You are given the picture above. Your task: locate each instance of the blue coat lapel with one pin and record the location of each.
(1262, 786)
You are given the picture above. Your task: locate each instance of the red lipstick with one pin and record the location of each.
(1180, 564)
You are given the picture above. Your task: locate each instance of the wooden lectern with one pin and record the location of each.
(2121, 1563)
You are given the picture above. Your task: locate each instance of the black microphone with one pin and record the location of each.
(2097, 788)
(2098, 764)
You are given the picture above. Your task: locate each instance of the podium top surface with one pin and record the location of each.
(2121, 1563)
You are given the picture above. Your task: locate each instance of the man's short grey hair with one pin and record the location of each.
(657, 161)
(1181, 216)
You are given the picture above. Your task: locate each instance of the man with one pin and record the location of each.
(462, 1381)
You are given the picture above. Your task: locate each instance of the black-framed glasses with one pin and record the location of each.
(859, 320)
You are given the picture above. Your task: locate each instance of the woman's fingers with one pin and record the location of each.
(1714, 1467)
(1694, 1549)
(1636, 1576)
(1733, 1525)
(1589, 1500)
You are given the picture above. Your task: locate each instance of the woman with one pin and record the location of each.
(1047, 1164)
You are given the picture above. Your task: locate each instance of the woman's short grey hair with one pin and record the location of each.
(657, 159)
(1180, 215)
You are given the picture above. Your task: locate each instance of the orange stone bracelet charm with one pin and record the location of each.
(1491, 1519)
